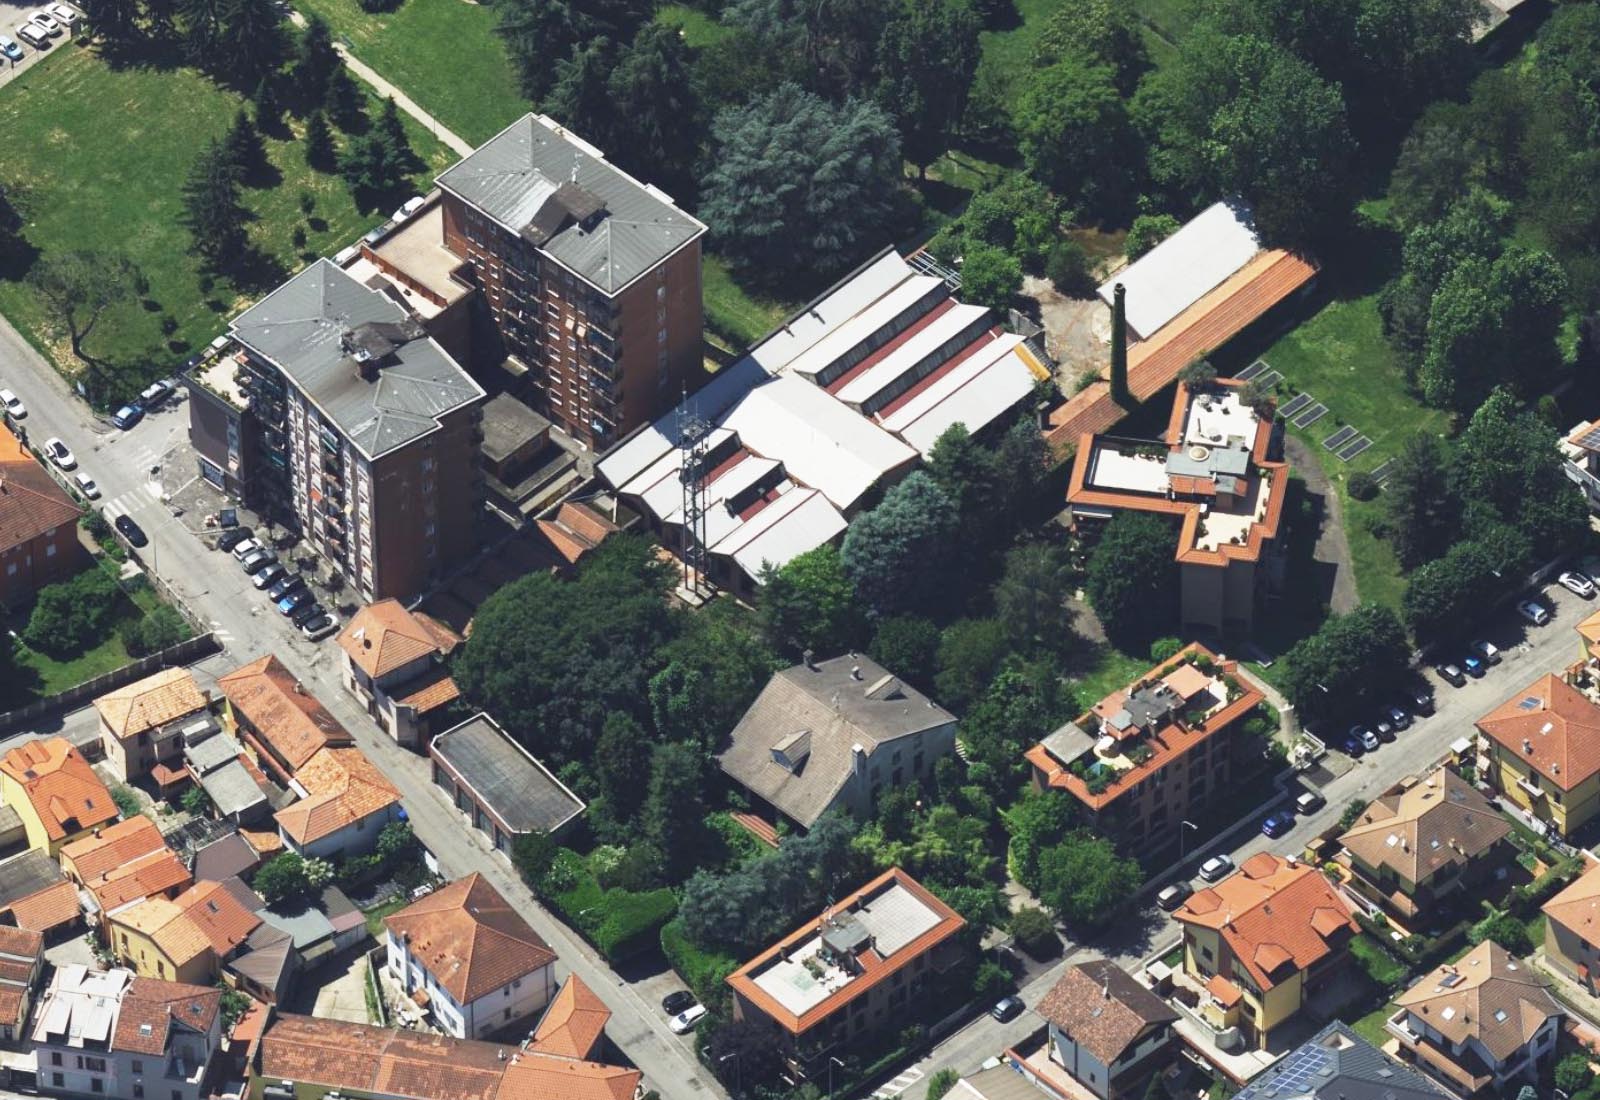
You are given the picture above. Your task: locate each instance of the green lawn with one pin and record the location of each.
(1370, 1027)
(444, 54)
(383, 909)
(40, 674)
(734, 313)
(698, 28)
(1385, 971)
(95, 157)
(1106, 669)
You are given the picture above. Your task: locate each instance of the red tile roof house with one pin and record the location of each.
(38, 526)
(394, 666)
(277, 718)
(867, 964)
(1105, 1030)
(465, 955)
(21, 960)
(345, 801)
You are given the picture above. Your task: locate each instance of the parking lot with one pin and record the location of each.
(13, 14)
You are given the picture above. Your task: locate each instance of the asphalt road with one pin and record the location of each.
(1528, 652)
(218, 591)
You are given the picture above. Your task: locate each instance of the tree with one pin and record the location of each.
(76, 288)
(1031, 598)
(798, 183)
(1083, 881)
(1435, 165)
(1507, 465)
(1023, 701)
(1420, 511)
(154, 632)
(343, 103)
(897, 554)
(269, 112)
(212, 211)
(1038, 821)
(1104, 30)
(1573, 1073)
(1198, 375)
(652, 91)
(282, 878)
(243, 148)
(374, 166)
(580, 97)
(1132, 578)
(927, 58)
(315, 63)
(834, 41)
(1411, 52)
(249, 41)
(115, 22)
(1074, 135)
(940, 1084)
(746, 1053)
(1506, 930)
(1349, 663)
(195, 801)
(1147, 231)
(398, 145)
(320, 152)
(971, 652)
(907, 645)
(1035, 932)
(810, 603)
(990, 277)
(534, 31)
(1444, 596)
(713, 671)
(674, 809)
(73, 615)
(532, 854)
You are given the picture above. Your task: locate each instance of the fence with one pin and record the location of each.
(183, 653)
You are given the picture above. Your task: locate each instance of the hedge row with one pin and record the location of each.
(1420, 952)
(1523, 900)
(619, 923)
(706, 972)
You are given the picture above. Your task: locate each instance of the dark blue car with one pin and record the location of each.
(1277, 824)
(127, 416)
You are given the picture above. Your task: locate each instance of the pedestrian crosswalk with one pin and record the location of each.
(890, 1089)
(133, 500)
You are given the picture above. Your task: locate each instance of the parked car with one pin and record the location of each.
(12, 52)
(1577, 583)
(233, 537)
(1488, 651)
(45, 23)
(1397, 717)
(1216, 867)
(1350, 743)
(59, 454)
(267, 575)
(155, 393)
(258, 560)
(1369, 740)
(242, 550)
(307, 613)
(1450, 674)
(1590, 567)
(86, 485)
(1534, 612)
(15, 409)
(1007, 1008)
(127, 416)
(286, 585)
(411, 206)
(676, 1002)
(294, 601)
(685, 1021)
(1173, 896)
(1384, 729)
(1276, 824)
(64, 14)
(1421, 701)
(1308, 801)
(1472, 666)
(33, 36)
(131, 531)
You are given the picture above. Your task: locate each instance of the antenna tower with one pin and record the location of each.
(694, 433)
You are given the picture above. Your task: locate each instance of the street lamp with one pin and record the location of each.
(1183, 838)
(832, 1061)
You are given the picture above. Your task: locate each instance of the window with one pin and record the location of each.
(96, 1085)
(57, 1080)
(138, 1091)
(97, 1065)
(55, 1057)
(138, 1066)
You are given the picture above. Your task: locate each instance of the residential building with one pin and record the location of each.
(281, 722)
(1338, 1064)
(592, 278)
(394, 665)
(1541, 750)
(1581, 449)
(1424, 845)
(228, 856)
(141, 723)
(1480, 1024)
(218, 764)
(574, 1026)
(1106, 1030)
(345, 801)
(1164, 748)
(36, 896)
(122, 865)
(1219, 476)
(1589, 634)
(1002, 1082)
(869, 962)
(295, 936)
(574, 532)
(828, 735)
(1186, 298)
(835, 405)
(504, 792)
(1262, 942)
(323, 1057)
(1572, 928)
(21, 961)
(38, 526)
(190, 937)
(469, 958)
(340, 417)
(110, 1033)
(55, 792)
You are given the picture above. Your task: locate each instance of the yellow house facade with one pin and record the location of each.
(55, 792)
(1541, 750)
(156, 940)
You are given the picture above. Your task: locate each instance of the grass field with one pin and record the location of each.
(444, 54)
(735, 313)
(699, 29)
(39, 674)
(95, 157)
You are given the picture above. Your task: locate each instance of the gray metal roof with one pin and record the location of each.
(233, 789)
(212, 753)
(24, 875)
(327, 332)
(1338, 1064)
(560, 194)
(223, 859)
(505, 778)
(507, 425)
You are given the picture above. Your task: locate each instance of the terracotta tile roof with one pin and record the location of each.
(11, 1013)
(1589, 629)
(371, 1060)
(31, 502)
(21, 941)
(1577, 908)
(21, 951)
(469, 938)
(1487, 996)
(1552, 728)
(1225, 991)
(150, 703)
(1103, 1009)
(178, 938)
(283, 712)
(224, 912)
(151, 1006)
(116, 845)
(384, 636)
(573, 1024)
(342, 788)
(1273, 915)
(154, 873)
(575, 531)
(65, 793)
(437, 691)
(1090, 411)
(266, 842)
(47, 910)
(1439, 822)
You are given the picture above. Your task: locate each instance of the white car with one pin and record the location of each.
(33, 35)
(59, 454)
(45, 23)
(1487, 651)
(685, 1021)
(1216, 867)
(1534, 612)
(1577, 583)
(63, 14)
(412, 205)
(86, 485)
(245, 549)
(15, 409)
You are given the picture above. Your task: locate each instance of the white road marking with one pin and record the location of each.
(895, 1087)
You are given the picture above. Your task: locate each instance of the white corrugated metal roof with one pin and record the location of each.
(868, 384)
(803, 526)
(848, 335)
(978, 390)
(1179, 271)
